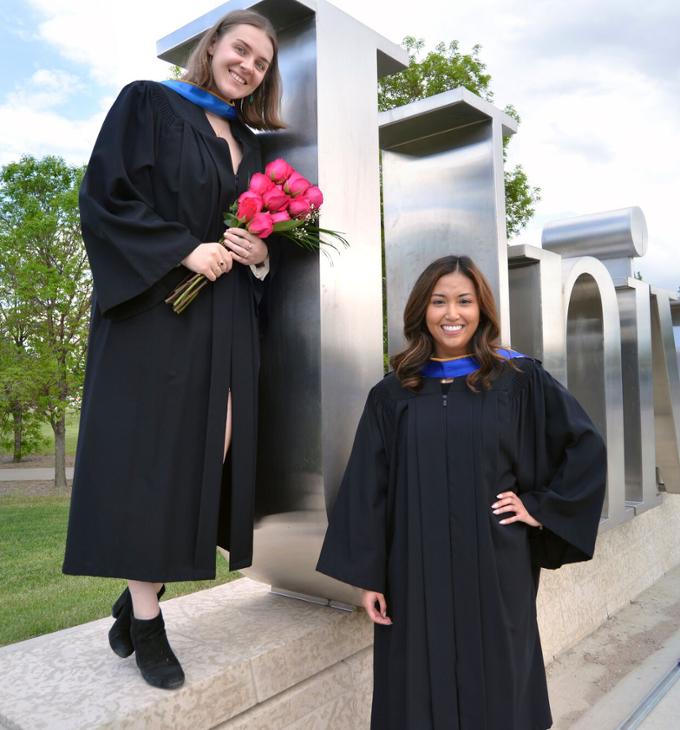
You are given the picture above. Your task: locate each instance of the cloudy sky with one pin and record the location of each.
(597, 85)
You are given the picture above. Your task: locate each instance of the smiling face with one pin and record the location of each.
(239, 60)
(452, 315)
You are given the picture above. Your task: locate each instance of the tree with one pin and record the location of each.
(19, 419)
(46, 284)
(441, 70)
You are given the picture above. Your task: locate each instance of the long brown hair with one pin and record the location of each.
(264, 111)
(408, 364)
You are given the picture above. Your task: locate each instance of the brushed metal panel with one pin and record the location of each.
(638, 402)
(537, 307)
(441, 197)
(594, 366)
(614, 237)
(666, 391)
(607, 235)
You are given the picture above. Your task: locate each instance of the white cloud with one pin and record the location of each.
(595, 136)
(46, 89)
(598, 90)
(115, 41)
(596, 86)
(27, 130)
(31, 124)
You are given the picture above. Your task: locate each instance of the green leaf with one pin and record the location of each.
(287, 225)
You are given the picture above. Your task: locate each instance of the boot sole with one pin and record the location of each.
(175, 684)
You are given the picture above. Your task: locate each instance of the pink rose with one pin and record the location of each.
(260, 183)
(278, 170)
(296, 184)
(299, 207)
(315, 196)
(275, 199)
(249, 205)
(280, 217)
(261, 225)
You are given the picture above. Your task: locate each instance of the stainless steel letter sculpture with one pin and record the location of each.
(573, 303)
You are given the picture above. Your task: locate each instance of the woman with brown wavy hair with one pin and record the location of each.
(471, 469)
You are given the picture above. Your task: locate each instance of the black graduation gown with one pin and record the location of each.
(150, 496)
(413, 520)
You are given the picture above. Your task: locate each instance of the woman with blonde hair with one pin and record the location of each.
(165, 466)
(471, 469)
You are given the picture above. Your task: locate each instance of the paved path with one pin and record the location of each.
(31, 475)
(616, 667)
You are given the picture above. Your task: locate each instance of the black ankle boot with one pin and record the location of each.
(155, 658)
(119, 633)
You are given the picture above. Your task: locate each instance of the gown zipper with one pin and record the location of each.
(446, 385)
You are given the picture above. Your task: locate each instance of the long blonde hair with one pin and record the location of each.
(262, 109)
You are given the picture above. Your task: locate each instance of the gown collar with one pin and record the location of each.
(457, 367)
(203, 98)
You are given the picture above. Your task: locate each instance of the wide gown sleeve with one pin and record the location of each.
(564, 467)
(130, 247)
(354, 550)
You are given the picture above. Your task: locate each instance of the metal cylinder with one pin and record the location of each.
(613, 234)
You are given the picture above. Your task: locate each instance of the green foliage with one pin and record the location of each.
(27, 434)
(19, 421)
(35, 598)
(441, 70)
(176, 72)
(44, 290)
(520, 199)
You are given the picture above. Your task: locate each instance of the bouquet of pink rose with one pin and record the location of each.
(280, 200)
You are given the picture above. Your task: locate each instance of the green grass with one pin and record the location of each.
(35, 597)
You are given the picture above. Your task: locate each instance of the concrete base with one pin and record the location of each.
(575, 600)
(256, 661)
(252, 660)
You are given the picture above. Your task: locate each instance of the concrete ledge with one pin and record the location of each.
(240, 646)
(260, 661)
(339, 698)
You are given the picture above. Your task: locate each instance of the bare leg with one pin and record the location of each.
(227, 430)
(153, 654)
(144, 598)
